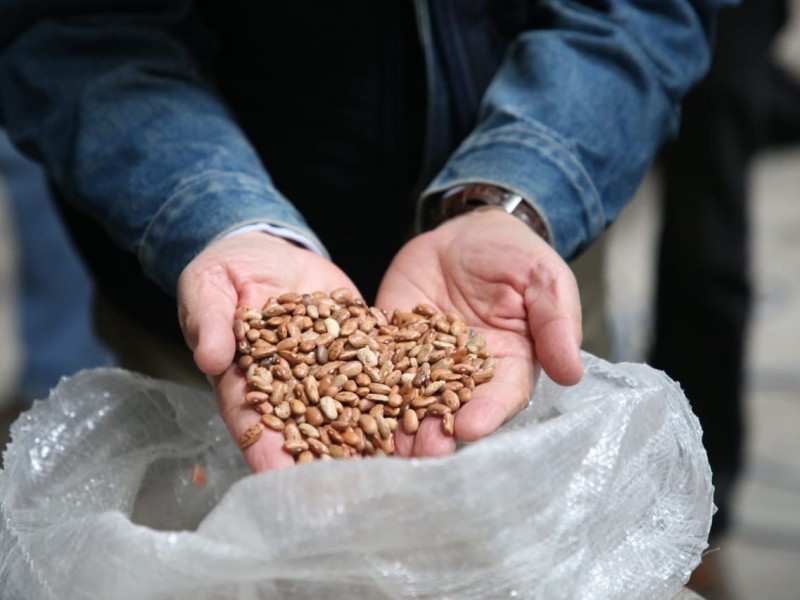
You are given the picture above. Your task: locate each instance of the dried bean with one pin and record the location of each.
(312, 359)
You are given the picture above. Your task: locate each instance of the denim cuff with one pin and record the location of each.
(206, 209)
(537, 167)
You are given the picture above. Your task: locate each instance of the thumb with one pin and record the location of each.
(206, 304)
(554, 317)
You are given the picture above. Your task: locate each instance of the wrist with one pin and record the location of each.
(479, 197)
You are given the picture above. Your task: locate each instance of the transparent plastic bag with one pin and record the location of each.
(601, 490)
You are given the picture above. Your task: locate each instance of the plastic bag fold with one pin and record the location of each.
(600, 490)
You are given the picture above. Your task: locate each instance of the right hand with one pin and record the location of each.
(244, 270)
(509, 285)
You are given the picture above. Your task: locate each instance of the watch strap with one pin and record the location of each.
(474, 196)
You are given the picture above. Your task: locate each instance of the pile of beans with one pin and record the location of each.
(338, 377)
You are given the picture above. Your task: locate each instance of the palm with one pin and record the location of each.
(494, 272)
(243, 271)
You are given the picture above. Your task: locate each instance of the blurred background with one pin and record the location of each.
(751, 157)
(759, 550)
(760, 553)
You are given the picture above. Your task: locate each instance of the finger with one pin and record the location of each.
(554, 317)
(494, 403)
(430, 440)
(403, 442)
(206, 308)
(267, 452)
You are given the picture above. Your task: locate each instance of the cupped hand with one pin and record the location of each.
(507, 283)
(243, 270)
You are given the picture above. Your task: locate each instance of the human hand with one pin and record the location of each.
(507, 283)
(243, 270)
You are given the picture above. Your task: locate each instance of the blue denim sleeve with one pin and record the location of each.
(576, 114)
(110, 97)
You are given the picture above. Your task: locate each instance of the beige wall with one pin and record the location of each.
(9, 346)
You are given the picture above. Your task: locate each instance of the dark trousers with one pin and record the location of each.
(703, 288)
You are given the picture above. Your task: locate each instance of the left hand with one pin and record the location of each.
(243, 270)
(507, 283)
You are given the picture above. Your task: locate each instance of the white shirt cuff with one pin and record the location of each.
(282, 232)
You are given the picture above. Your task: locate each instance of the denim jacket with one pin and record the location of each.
(112, 98)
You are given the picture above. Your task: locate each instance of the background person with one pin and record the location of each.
(231, 152)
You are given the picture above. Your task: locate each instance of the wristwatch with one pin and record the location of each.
(482, 196)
